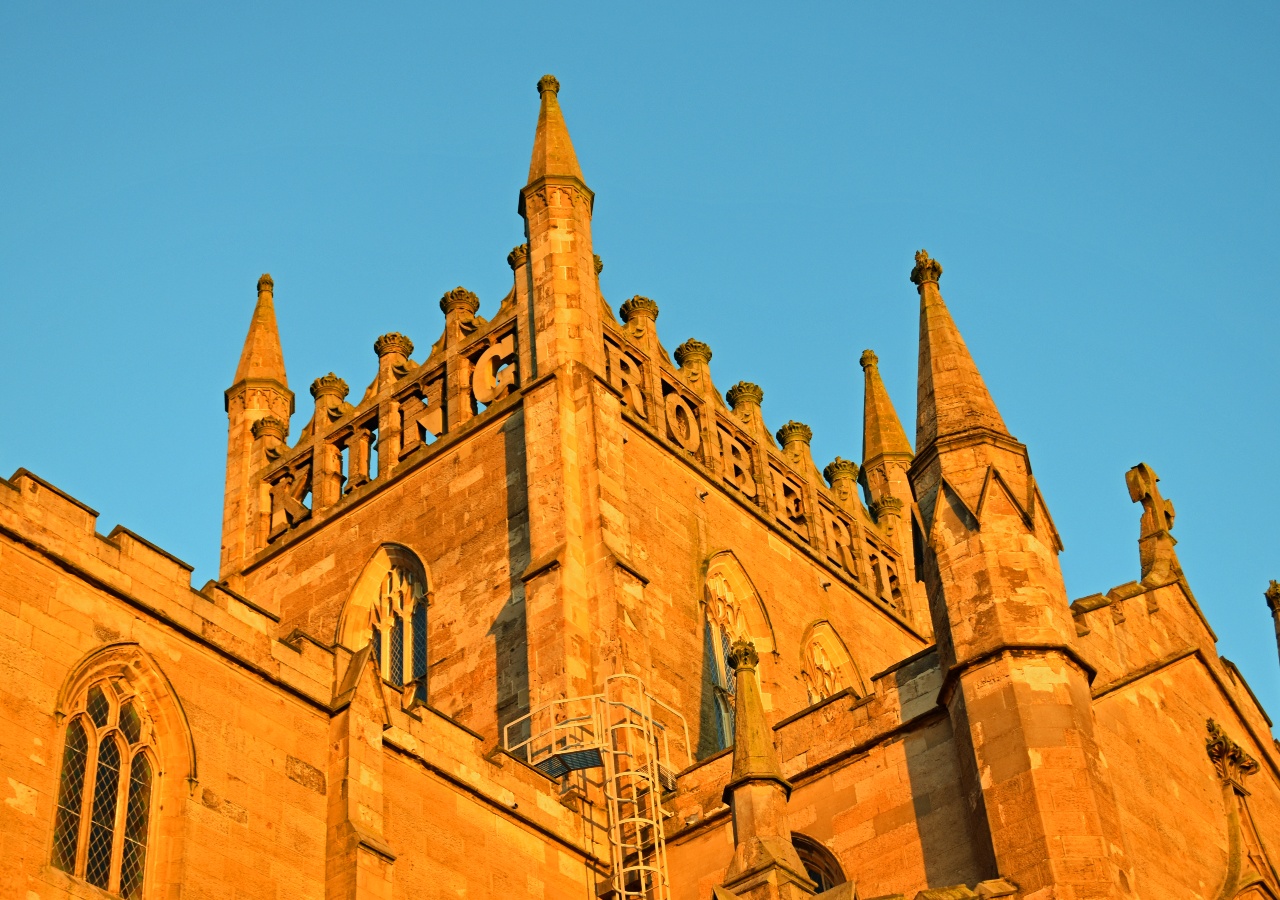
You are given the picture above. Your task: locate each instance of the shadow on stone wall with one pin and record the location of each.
(509, 630)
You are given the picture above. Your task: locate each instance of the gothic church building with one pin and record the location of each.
(544, 612)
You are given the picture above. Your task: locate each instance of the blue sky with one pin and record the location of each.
(1098, 179)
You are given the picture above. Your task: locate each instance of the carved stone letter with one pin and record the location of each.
(682, 423)
(495, 371)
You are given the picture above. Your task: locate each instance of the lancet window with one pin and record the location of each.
(399, 629)
(724, 626)
(105, 789)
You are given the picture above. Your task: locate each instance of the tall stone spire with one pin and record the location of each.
(258, 404)
(765, 864)
(952, 398)
(1004, 633)
(882, 431)
(552, 148)
(886, 460)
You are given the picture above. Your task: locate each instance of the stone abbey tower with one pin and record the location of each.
(546, 613)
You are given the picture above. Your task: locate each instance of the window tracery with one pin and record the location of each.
(105, 789)
(821, 679)
(401, 651)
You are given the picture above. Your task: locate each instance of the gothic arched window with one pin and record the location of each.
(399, 629)
(732, 611)
(820, 863)
(825, 664)
(104, 793)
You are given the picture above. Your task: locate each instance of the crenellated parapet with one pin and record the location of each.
(347, 450)
(774, 475)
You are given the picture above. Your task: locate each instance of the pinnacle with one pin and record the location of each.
(553, 152)
(262, 358)
(952, 397)
(882, 432)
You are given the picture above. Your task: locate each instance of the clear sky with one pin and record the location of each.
(1098, 179)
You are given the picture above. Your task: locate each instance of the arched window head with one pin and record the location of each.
(732, 611)
(388, 609)
(825, 665)
(103, 820)
(820, 863)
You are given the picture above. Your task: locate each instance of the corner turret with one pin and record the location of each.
(563, 286)
(1004, 631)
(260, 389)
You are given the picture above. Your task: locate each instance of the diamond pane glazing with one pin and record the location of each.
(137, 814)
(397, 651)
(419, 640)
(98, 707)
(106, 787)
(66, 826)
(130, 723)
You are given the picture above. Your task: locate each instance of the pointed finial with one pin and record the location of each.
(548, 83)
(926, 271)
(868, 359)
(599, 263)
(1273, 596)
(265, 284)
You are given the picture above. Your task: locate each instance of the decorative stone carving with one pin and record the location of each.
(1155, 542)
(494, 374)
(743, 655)
(789, 501)
(270, 426)
(460, 298)
(840, 468)
(926, 271)
(794, 431)
(887, 506)
(421, 415)
(329, 385)
(739, 467)
(1273, 596)
(868, 359)
(518, 256)
(821, 679)
(598, 262)
(744, 392)
(1229, 759)
(692, 350)
(840, 543)
(266, 285)
(393, 342)
(638, 306)
(627, 376)
(682, 422)
(548, 83)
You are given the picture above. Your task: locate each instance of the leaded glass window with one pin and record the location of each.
(104, 793)
(399, 630)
